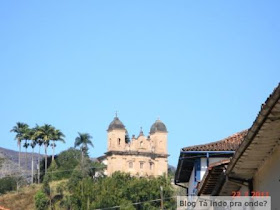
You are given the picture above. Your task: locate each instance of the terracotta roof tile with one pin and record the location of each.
(230, 143)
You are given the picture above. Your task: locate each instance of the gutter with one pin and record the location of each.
(207, 153)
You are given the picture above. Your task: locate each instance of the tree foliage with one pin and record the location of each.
(83, 140)
(65, 163)
(8, 184)
(41, 201)
(121, 190)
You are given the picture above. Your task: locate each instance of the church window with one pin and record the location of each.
(141, 144)
(119, 141)
(151, 166)
(130, 164)
(141, 164)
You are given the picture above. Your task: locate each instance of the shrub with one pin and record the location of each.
(41, 201)
(8, 184)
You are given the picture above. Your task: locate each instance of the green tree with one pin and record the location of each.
(32, 135)
(66, 161)
(46, 133)
(37, 137)
(127, 139)
(8, 184)
(57, 136)
(20, 130)
(26, 145)
(41, 201)
(83, 140)
(122, 190)
(126, 205)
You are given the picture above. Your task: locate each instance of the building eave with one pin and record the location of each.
(262, 138)
(259, 126)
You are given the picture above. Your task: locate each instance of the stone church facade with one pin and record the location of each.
(140, 156)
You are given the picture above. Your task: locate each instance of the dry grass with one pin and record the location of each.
(54, 184)
(22, 200)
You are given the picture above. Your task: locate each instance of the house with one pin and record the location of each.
(194, 160)
(254, 167)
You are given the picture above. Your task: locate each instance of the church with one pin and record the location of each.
(142, 155)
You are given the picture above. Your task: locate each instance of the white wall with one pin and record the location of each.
(267, 178)
(204, 164)
(191, 183)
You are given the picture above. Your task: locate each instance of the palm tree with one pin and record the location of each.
(58, 136)
(33, 145)
(46, 133)
(32, 135)
(27, 136)
(83, 140)
(26, 145)
(20, 130)
(37, 140)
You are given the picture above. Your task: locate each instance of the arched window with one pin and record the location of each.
(141, 165)
(119, 141)
(130, 164)
(141, 143)
(151, 166)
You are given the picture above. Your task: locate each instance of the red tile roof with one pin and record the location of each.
(230, 143)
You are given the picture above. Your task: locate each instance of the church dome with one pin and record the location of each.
(116, 124)
(158, 126)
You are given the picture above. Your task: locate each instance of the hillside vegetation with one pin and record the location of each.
(72, 181)
(9, 162)
(24, 199)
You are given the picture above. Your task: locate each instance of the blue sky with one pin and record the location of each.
(203, 67)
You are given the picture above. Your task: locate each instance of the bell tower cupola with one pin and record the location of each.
(116, 135)
(158, 134)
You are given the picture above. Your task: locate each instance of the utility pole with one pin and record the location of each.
(161, 198)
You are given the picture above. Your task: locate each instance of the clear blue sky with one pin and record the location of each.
(204, 67)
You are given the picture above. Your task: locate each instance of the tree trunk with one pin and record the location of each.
(32, 166)
(26, 165)
(53, 151)
(46, 159)
(19, 153)
(82, 160)
(38, 164)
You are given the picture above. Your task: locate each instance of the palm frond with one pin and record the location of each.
(83, 139)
